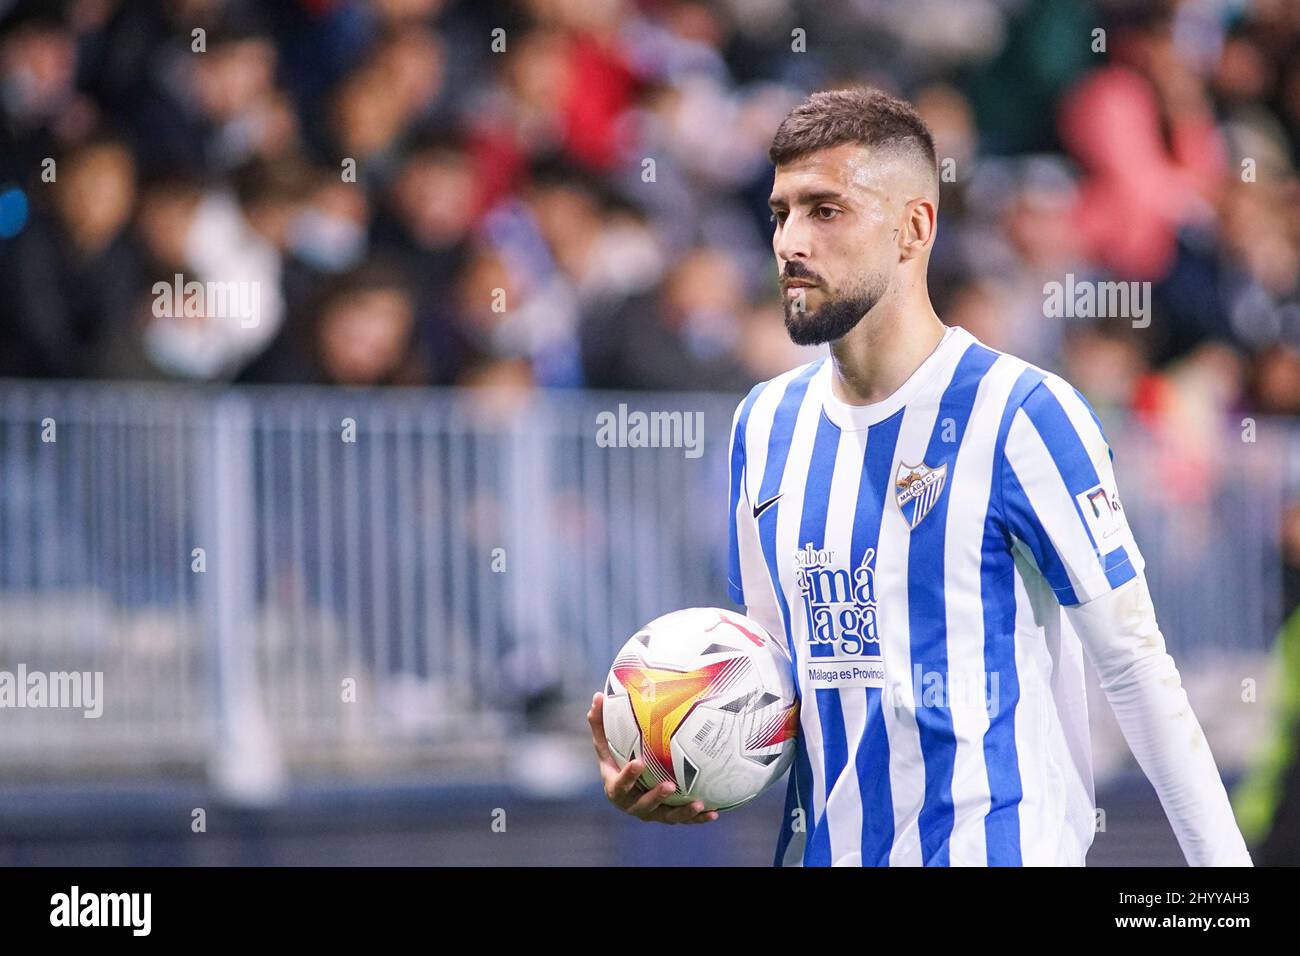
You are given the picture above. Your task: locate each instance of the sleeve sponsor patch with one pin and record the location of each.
(1104, 516)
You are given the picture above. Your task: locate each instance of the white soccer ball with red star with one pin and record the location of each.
(705, 698)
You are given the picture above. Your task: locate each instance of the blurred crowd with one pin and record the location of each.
(567, 193)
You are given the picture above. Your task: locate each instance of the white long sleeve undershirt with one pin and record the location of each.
(1120, 635)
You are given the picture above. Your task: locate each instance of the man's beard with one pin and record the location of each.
(835, 317)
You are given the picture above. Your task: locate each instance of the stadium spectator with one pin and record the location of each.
(74, 273)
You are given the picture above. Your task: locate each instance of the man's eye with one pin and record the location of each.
(778, 217)
(822, 210)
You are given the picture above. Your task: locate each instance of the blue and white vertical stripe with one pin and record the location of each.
(994, 768)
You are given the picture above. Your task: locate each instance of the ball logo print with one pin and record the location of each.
(662, 698)
(723, 620)
(705, 698)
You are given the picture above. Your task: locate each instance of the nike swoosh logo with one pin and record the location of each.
(764, 505)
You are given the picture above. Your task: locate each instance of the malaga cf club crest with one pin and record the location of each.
(918, 488)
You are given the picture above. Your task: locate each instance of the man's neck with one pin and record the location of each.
(881, 353)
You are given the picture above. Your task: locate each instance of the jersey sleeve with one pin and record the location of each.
(748, 582)
(1059, 497)
(739, 499)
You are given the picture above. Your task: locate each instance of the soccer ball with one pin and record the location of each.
(705, 698)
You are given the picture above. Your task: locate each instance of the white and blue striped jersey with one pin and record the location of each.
(916, 554)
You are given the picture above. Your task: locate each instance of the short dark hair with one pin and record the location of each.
(864, 115)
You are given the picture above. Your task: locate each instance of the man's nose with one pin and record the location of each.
(793, 240)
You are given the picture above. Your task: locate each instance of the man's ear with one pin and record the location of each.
(920, 219)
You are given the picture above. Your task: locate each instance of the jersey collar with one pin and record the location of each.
(858, 417)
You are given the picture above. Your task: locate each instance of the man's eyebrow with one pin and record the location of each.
(809, 197)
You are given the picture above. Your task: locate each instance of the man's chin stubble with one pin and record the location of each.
(832, 321)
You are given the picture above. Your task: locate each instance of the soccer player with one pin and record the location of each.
(934, 527)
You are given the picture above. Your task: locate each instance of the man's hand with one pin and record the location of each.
(626, 792)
